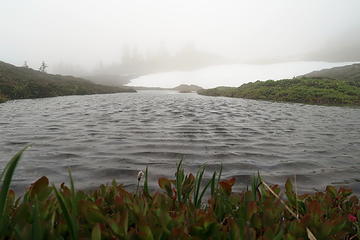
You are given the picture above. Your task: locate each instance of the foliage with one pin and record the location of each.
(111, 212)
(302, 90)
(22, 82)
(3, 98)
(185, 88)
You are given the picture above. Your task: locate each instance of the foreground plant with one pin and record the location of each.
(180, 212)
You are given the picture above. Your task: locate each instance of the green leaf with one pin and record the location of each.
(146, 232)
(36, 227)
(198, 180)
(213, 182)
(165, 183)
(255, 183)
(179, 180)
(68, 218)
(198, 204)
(290, 192)
(96, 232)
(219, 177)
(8, 174)
(146, 187)
(279, 236)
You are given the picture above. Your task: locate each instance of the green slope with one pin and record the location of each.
(185, 88)
(21, 83)
(302, 90)
(348, 73)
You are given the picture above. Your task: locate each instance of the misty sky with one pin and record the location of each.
(85, 32)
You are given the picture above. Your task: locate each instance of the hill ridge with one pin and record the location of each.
(20, 83)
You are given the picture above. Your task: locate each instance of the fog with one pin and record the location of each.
(83, 36)
(232, 75)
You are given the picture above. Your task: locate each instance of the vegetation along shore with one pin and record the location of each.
(335, 86)
(322, 91)
(23, 82)
(178, 211)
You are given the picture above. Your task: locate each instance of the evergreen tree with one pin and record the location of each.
(43, 67)
(25, 65)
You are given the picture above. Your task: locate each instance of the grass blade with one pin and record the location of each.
(69, 220)
(73, 194)
(219, 177)
(255, 184)
(8, 173)
(146, 184)
(179, 180)
(198, 180)
(72, 186)
(213, 180)
(73, 200)
(203, 192)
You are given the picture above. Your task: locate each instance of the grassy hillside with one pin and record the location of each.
(20, 83)
(302, 90)
(185, 88)
(348, 73)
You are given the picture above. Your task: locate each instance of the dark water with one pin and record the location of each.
(105, 137)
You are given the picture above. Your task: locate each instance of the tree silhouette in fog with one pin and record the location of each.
(43, 67)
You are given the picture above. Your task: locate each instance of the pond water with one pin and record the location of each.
(105, 137)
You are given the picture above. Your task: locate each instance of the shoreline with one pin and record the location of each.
(304, 90)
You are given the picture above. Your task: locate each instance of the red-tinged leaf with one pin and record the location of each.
(226, 185)
(11, 197)
(188, 184)
(99, 201)
(178, 233)
(65, 190)
(119, 200)
(344, 192)
(40, 188)
(251, 209)
(332, 191)
(124, 222)
(165, 183)
(315, 208)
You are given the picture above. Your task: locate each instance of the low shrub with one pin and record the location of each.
(322, 91)
(178, 211)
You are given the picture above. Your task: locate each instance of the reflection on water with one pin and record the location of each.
(105, 137)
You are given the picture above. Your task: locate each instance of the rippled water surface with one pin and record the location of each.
(105, 137)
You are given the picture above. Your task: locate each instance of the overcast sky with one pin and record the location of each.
(85, 32)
